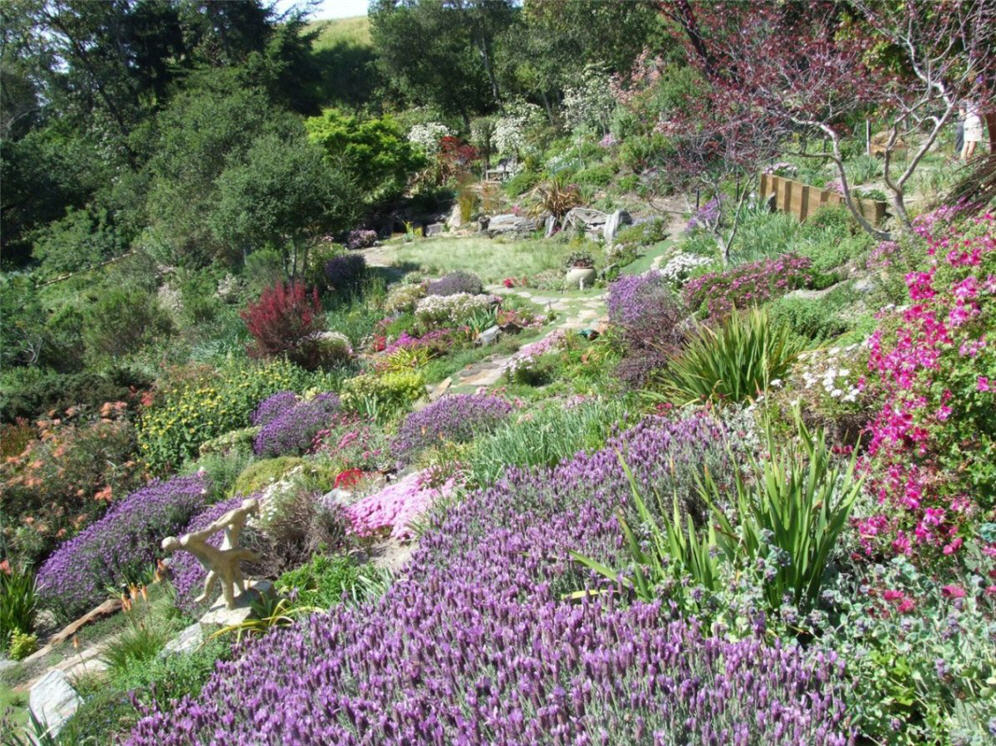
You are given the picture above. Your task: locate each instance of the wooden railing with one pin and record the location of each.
(802, 200)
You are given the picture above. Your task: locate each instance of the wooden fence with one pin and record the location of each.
(802, 200)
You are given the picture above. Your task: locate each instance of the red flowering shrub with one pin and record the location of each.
(932, 450)
(286, 319)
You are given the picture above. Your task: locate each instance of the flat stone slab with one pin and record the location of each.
(220, 615)
(484, 378)
(53, 700)
(187, 641)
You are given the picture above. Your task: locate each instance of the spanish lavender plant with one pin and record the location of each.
(361, 238)
(119, 548)
(345, 272)
(477, 646)
(293, 430)
(457, 418)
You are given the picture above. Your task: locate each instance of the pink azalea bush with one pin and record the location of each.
(751, 284)
(932, 444)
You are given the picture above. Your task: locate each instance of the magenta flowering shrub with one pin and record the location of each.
(750, 284)
(187, 573)
(457, 418)
(292, 430)
(354, 443)
(476, 645)
(932, 446)
(120, 548)
(437, 341)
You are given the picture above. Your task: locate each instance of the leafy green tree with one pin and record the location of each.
(374, 150)
(204, 131)
(443, 52)
(283, 195)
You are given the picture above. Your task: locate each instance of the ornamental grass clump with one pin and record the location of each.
(120, 548)
(732, 362)
(292, 431)
(476, 644)
(457, 419)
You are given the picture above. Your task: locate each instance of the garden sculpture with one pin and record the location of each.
(222, 562)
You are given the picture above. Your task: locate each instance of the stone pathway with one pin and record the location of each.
(573, 314)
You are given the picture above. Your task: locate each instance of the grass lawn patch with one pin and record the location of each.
(491, 260)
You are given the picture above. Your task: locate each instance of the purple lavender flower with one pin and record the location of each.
(273, 406)
(457, 418)
(120, 548)
(292, 430)
(476, 644)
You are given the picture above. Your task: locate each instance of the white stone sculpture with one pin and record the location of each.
(222, 562)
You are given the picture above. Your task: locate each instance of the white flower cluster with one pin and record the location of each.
(452, 309)
(680, 267)
(510, 129)
(402, 298)
(590, 104)
(821, 371)
(428, 135)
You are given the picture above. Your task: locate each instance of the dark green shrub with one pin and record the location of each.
(599, 175)
(122, 321)
(28, 392)
(522, 182)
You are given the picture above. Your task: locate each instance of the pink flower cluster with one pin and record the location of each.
(927, 459)
(718, 293)
(395, 507)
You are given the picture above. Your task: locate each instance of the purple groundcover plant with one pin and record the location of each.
(187, 572)
(121, 547)
(751, 284)
(292, 430)
(456, 282)
(476, 645)
(456, 418)
(273, 406)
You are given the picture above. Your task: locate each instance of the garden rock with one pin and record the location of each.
(488, 336)
(515, 225)
(220, 615)
(613, 223)
(186, 642)
(586, 220)
(580, 277)
(455, 219)
(434, 229)
(53, 700)
(549, 226)
(337, 496)
(863, 285)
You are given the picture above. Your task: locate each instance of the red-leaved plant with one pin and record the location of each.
(285, 320)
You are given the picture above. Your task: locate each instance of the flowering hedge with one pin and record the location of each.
(120, 548)
(292, 430)
(457, 418)
(932, 451)
(754, 283)
(477, 646)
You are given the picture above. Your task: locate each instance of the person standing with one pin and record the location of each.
(973, 131)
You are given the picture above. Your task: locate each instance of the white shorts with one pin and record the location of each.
(973, 128)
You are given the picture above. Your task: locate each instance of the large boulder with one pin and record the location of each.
(586, 220)
(53, 700)
(614, 222)
(509, 224)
